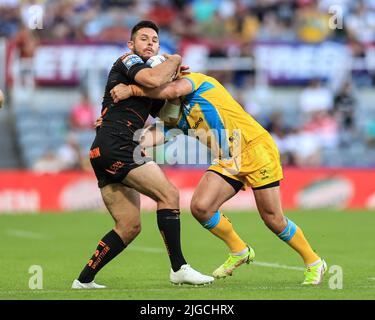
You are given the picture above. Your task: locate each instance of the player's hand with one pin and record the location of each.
(184, 70)
(121, 92)
(1, 98)
(98, 122)
(175, 56)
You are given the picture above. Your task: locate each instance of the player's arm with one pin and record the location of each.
(152, 136)
(170, 112)
(157, 134)
(134, 67)
(162, 73)
(168, 91)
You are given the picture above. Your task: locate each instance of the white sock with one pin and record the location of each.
(241, 252)
(314, 263)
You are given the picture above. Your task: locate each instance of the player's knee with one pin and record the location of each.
(135, 230)
(171, 197)
(175, 194)
(200, 209)
(268, 220)
(128, 232)
(275, 222)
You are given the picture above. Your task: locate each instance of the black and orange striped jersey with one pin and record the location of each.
(130, 114)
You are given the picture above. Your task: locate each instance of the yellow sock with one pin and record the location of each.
(221, 227)
(294, 236)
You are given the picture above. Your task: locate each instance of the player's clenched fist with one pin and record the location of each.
(121, 92)
(98, 122)
(175, 56)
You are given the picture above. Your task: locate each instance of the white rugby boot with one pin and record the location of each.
(187, 275)
(90, 285)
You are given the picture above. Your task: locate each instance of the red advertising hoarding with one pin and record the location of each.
(302, 188)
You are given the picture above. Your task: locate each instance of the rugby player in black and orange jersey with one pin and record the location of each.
(121, 177)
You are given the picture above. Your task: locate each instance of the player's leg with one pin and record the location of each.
(124, 206)
(123, 203)
(210, 194)
(212, 191)
(150, 180)
(269, 206)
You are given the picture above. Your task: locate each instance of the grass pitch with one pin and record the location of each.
(62, 243)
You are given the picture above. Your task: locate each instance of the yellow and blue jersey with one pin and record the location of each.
(211, 109)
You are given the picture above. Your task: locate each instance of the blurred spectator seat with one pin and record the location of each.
(203, 9)
(42, 134)
(370, 132)
(345, 105)
(316, 98)
(324, 127)
(48, 163)
(69, 154)
(361, 24)
(82, 116)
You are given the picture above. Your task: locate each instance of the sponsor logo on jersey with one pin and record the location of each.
(131, 60)
(95, 153)
(196, 125)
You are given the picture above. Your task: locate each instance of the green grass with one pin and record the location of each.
(62, 243)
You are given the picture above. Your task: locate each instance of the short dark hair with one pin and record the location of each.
(144, 24)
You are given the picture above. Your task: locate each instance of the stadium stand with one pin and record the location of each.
(193, 28)
(9, 158)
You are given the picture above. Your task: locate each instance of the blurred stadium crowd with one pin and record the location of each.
(328, 125)
(241, 20)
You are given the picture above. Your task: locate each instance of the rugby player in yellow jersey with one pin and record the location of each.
(247, 157)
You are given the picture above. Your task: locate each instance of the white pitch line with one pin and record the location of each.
(257, 263)
(25, 234)
(146, 249)
(276, 265)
